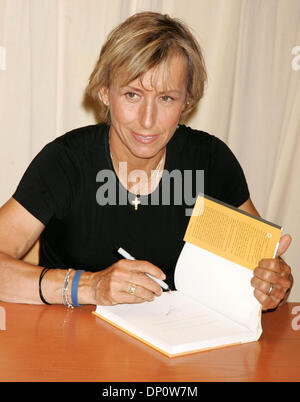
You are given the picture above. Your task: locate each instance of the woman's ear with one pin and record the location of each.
(103, 95)
(187, 100)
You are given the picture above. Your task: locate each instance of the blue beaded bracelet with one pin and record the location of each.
(74, 290)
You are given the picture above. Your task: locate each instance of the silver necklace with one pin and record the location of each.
(153, 180)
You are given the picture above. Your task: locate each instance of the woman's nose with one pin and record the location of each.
(148, 112)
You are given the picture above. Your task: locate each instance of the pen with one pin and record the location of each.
(158, 281)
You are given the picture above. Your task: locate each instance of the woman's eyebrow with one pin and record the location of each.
(136, 89)
(132, 88)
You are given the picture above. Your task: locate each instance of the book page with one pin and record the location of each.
(223, 246)
(231, 234)
(219, 284)
(176, 323)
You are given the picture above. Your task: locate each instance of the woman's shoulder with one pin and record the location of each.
(89, 137)
(186, 137)
(196, 146)
(189, 135)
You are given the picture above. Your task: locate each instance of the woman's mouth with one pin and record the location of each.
(145, 139)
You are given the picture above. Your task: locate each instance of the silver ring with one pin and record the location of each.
(270, 290)
(132, 289)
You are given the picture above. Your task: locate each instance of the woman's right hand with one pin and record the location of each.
(112, 285)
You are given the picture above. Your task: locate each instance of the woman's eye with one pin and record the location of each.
(167, 98)
(131, 95)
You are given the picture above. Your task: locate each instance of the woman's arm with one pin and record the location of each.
(19, 230)
(19, 281)
(271, 271)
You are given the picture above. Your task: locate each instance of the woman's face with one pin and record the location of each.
(145, 113)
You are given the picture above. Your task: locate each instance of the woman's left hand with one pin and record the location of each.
(272, 277)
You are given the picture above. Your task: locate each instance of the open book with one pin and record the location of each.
(213, 305)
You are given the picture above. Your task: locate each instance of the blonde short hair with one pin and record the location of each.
(142, 42)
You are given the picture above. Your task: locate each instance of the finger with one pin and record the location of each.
(285, 269)
(277, 265)
(118, 278)
(126, 298)
(272, 277)
(271, 264)
(112, 292)
(284, 244)
(145, 267)
(144, 280)
(134, 290)
(135, 272)
(277, 292)
(267, 302)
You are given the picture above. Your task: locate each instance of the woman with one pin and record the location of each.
(149, 74)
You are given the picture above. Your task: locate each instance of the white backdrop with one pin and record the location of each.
(48, 49)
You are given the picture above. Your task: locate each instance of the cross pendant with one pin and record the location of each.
(136, 202)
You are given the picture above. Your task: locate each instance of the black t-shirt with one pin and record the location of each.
(62, 187)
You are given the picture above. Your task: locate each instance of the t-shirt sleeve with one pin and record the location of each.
(227, 181)
(47, 186)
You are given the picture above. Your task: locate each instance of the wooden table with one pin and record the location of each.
(52, 343)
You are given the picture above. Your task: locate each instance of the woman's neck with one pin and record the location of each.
(139, 175)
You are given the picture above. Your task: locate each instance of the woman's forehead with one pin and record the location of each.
(170, 75)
